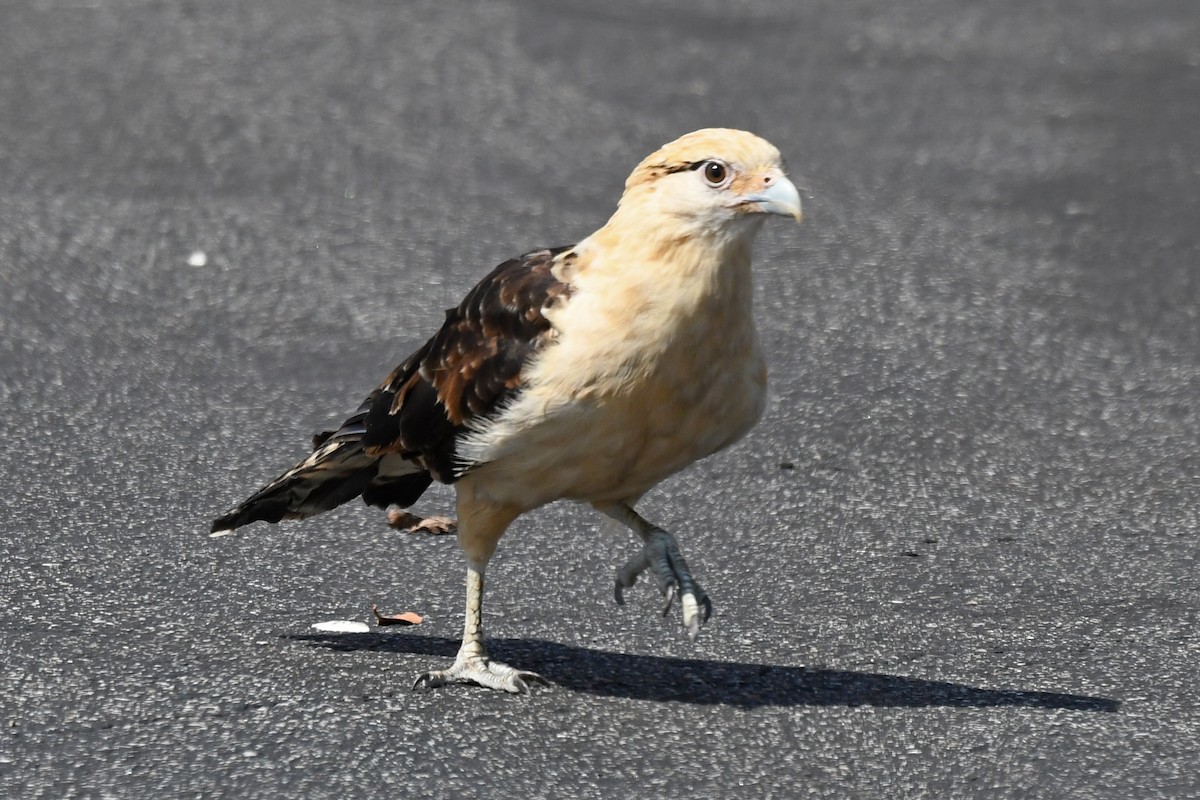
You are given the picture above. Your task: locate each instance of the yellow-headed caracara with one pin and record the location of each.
(587, 373)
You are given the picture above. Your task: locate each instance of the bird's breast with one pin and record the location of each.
(703, 394)
(636, 386)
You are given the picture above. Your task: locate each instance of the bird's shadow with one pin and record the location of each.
(703, 682)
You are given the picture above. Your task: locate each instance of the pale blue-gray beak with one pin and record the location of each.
(780, 197)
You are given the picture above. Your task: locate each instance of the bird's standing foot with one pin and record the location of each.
(411, 523)
(661, 555)
(481, 672)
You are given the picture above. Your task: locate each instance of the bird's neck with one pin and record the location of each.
(696, 258)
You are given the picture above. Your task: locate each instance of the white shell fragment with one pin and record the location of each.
(342, 626)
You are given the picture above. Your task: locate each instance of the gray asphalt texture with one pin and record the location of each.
(958, 557)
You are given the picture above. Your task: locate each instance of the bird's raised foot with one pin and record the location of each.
(481, 672)
(661, 555)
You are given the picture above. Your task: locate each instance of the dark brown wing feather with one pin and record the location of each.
(403, 435)
(471, 366)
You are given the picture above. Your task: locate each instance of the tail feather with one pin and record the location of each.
(337, 471)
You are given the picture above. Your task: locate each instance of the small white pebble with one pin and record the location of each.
(342, 626)
(198, 258)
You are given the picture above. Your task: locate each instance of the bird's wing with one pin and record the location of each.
(470, 368)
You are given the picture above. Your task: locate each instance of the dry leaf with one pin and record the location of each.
(407, 618)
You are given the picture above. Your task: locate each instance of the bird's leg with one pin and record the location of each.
(481, 523)
(472, 664)
(661, 555)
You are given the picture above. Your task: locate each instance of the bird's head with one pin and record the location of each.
(716, 179)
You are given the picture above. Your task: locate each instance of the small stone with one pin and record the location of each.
(342, 626)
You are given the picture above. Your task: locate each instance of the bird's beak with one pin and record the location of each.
(780, 197)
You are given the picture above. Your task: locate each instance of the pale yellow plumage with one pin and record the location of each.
(588, 373)
(655, 362)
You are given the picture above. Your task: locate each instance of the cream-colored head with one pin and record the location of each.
(716, 178)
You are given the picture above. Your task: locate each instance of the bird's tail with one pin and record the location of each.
(337, 471)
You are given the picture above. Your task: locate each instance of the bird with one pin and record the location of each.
(586, 373)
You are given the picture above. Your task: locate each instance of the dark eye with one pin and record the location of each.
(715, 172)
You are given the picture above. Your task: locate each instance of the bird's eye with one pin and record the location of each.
(715, 172)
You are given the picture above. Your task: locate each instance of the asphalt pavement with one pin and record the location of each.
(958, 557)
